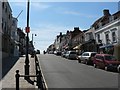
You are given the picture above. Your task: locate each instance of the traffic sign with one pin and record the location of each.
(27, 29)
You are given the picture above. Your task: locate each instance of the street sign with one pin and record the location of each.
(27, 29)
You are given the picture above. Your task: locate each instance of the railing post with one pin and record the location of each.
(17, 79)
(39, 80)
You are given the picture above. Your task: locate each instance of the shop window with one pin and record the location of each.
(107, 38)
(3, 5)
(9, 16)
(6, 9)
(113, 36)
(98, 37)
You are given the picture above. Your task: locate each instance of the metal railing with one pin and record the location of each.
(39, 77)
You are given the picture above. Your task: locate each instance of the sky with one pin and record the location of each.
(48, 19)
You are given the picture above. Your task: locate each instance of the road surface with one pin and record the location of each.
(59, 72)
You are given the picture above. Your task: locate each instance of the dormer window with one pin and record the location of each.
(98, 37)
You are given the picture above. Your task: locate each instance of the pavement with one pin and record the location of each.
(9, 67)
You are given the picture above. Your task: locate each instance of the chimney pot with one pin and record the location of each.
(76, 28)
(106, 12)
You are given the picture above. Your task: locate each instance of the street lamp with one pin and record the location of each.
(32, 46)
(27, 42)
(32, 37)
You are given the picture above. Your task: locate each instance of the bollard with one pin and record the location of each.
(17, 79)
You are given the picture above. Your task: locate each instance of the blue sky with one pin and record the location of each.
(48, 19)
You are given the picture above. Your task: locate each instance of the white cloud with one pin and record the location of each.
(46, 34)
(33, 5)
(40, 6)
(79, 14)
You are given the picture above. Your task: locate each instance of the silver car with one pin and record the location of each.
(71, 55)
(86, 57)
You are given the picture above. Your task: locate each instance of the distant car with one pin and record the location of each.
(86, 57)
(58, 53)
(106, 61)
(71, 55)
(50, 52)
(63, 53)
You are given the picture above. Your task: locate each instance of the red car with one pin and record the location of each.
(106, 61)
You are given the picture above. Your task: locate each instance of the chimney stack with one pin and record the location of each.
(106, 12)
(60, 33)
(76, 28)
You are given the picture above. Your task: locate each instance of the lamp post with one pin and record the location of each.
(33, 52)
(27, 43)
(32, 37)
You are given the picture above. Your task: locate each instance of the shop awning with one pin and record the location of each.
(77, 47)
(106, 46)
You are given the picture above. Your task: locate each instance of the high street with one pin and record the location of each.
(59, 72)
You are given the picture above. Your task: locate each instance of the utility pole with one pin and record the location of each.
(27, 42)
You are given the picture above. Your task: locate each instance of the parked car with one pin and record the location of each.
(63, 53)
(118, 68)
(86, 57)
(58, 53)
(106, 61)
(50, 52)
(71, 54)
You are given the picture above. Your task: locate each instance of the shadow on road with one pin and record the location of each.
(7, 64)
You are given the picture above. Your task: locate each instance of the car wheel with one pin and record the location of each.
(106, 68)
(94, 65)
(118, 69)
(79, 61)
(86, 62)
(67, 57)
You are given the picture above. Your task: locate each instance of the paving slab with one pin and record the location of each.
(9, 80)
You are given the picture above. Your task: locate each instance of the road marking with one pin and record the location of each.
(46, 86)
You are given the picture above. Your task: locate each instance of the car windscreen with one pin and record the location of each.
(110, 58)
(93, 54)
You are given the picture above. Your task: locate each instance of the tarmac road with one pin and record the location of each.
(63, 73)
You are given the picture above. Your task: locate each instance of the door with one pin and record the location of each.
(101, 62)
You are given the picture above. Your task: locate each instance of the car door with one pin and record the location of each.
(67, 54)
(84, 57)
(101, 62)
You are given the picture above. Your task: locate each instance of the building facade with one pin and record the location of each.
(22, 41)
(6, 29)
(90, 41)
(107, 32)
(57, 43)
(0, 29)
(14, 37)
(77, 41)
